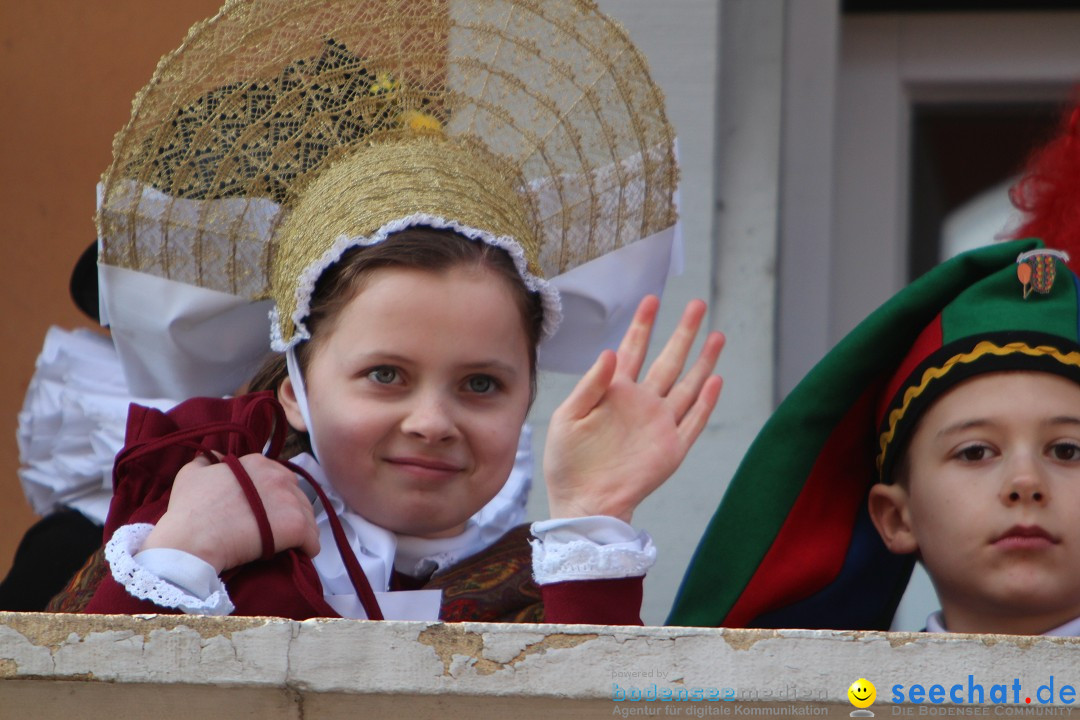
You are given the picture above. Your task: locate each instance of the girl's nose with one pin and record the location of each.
(429, 419)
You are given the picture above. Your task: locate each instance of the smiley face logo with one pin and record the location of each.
(862, 693)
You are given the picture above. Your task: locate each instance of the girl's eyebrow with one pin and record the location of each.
(378, 356)
(492, 365)
(1064, 420)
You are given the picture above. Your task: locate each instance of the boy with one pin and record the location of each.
(955, 408)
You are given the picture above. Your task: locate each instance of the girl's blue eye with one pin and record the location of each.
(384, 375)
(481, 384)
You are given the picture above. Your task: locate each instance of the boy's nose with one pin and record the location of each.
(1025, 484)
(429, 419)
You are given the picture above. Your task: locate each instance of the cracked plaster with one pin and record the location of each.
(296, 666)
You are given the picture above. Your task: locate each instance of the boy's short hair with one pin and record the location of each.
(792, 544)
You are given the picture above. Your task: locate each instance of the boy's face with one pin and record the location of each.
(992, 502)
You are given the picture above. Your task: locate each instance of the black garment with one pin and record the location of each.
(51, 551)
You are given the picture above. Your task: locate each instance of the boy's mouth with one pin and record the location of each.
(1025, 537)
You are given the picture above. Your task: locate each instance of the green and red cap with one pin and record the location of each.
(792, 544)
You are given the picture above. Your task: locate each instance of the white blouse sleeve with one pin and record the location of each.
(165, 577)
(589, 548)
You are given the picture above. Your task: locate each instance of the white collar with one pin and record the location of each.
(936, 623)
(380, 551)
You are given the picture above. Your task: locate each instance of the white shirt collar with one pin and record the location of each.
(936, 623)
(380, 551)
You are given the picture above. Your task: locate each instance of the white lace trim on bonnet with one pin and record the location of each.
(311, 274)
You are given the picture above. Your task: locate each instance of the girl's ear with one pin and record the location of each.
(287, 398)
(888, 506)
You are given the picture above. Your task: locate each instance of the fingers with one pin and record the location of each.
(309, 543)
(669, 365)
(692, 399)
(663, 376)
(686, 391)
(695, 419)
(209, 515)
(591, 388)
(635, 343)
(309, 539)
(291, 516)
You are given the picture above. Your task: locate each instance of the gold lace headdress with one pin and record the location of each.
(283, 132)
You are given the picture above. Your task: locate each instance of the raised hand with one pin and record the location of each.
(209, 517)
(614, 439)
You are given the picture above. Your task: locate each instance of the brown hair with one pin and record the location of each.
(419, 248)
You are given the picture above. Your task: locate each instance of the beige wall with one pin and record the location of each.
(68, 72)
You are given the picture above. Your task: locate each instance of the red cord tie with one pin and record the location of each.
(266, 534)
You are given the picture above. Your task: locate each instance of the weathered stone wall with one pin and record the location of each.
(88, 667)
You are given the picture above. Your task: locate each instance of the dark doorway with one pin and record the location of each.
(958, 150)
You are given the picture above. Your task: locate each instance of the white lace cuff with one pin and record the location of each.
(589, 548)
(169, 578)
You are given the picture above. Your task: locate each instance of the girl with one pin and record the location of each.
(402, 210)
(411, 393)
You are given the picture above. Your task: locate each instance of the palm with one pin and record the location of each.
(615, 440)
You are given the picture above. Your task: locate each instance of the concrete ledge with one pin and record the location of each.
(167, 667)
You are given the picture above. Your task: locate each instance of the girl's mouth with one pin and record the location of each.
(425, 467)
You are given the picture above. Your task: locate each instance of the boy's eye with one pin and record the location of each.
(1065, 451)
(973, 453)
(383, 375)
(481, 384)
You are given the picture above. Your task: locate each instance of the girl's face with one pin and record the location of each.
(418, 390)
